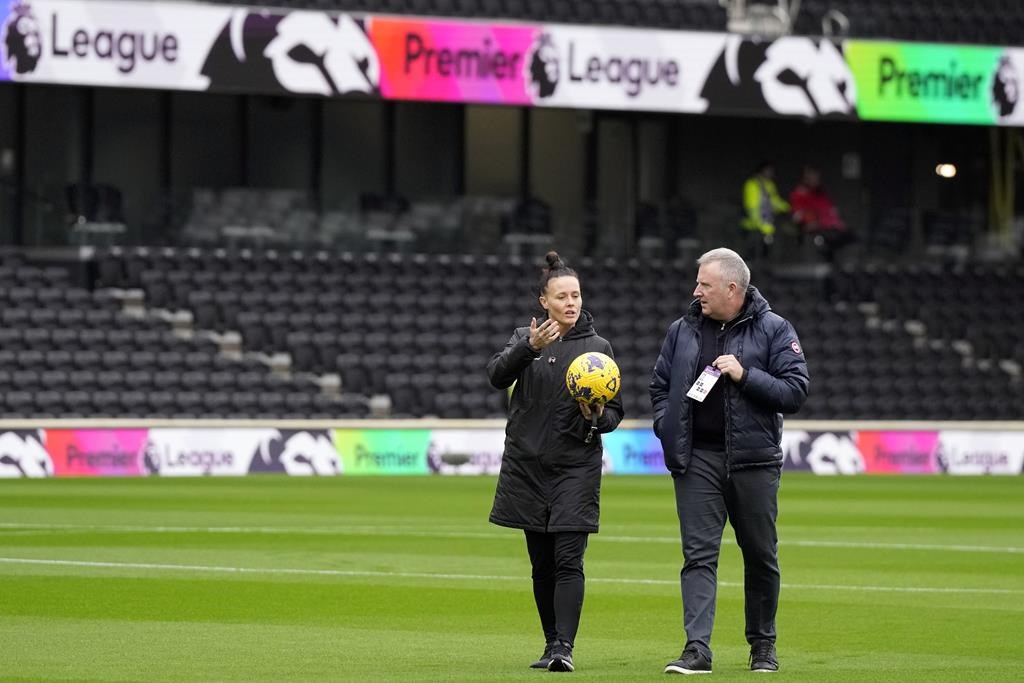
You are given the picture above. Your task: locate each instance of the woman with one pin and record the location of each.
(550, 478)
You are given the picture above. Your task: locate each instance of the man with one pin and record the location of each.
(727, 369)
(816, 215)
(761, 202)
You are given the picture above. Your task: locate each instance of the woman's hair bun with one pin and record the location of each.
(556, 268)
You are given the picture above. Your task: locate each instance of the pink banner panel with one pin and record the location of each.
(909, 452)
(449, 61)
(96, 452)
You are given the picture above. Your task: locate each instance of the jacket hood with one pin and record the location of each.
(754, 304)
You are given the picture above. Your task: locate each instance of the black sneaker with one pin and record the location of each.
(545, 658)
(762, 657)
(561, 657)
(692, 661)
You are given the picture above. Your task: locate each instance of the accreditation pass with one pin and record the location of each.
(700, 389)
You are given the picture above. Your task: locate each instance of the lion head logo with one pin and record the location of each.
(1005, 87)
(22, 41)
(544, 69)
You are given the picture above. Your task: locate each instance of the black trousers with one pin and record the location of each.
(557, 560)
(706, 495)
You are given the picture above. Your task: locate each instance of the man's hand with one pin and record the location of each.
(730, 367)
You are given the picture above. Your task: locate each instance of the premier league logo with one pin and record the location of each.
(22, 43)
(792, 76)
(1005, 87)
(23, 454)
(150, 456)
(544, 68)
(300, 52)
(301, 452)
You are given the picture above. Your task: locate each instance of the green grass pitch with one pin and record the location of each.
(356, 579)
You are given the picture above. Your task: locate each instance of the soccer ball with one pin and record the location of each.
(593, 378)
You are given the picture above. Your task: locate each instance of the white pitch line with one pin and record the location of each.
(400, 531)
(472, 577)
(907, 546)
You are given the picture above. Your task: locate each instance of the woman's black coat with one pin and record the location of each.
(550, 478)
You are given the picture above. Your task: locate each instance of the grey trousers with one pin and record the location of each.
(748, 498)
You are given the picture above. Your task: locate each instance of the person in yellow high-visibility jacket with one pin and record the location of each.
(761, 201)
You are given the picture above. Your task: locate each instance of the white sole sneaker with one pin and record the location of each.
(672, 669)
(559, 664)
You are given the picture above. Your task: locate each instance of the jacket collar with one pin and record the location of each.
(754, 305)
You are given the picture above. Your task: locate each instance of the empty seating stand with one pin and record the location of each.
(882, 342)
(420, 329)
(66, 351)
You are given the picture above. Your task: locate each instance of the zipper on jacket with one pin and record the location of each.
(727, 388)
(689, 413)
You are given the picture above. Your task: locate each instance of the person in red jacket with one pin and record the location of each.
(815, 214)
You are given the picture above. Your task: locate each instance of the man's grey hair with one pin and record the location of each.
(734, 269)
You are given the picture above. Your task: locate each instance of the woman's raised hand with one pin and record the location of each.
(544, 334)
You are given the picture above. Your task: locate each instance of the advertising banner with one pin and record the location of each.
(230, 48)
(383, 451)
(931, 83)
(138, 44)
(200, 452)
(964, 452)
(465, 451)
(633, 451)
(23, 454)
(178, 46)
(791, 76)
(96, 452)
(204, 452)
(296, 452)
(909, 452)
(182, 452)
(282, 52)
(610, 68)
(822, 452)
(452, 61)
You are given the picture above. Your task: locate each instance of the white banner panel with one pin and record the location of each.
(609, 68)
(962, 452)
(465, 451)
(181, 46)
(137, 44)
(192, 452)
(195, 452)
